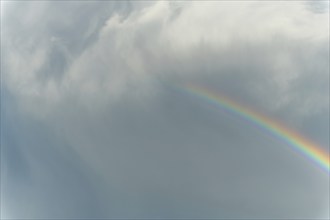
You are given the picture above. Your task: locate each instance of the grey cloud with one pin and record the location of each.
(165, 153)
(93, 126)
(41, 175)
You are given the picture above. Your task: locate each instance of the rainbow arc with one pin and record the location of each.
(292, 138)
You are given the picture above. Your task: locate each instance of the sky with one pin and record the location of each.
(97, 120)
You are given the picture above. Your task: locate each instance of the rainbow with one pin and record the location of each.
(290, 137)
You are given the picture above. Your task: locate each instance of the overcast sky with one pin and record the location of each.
(95, 122)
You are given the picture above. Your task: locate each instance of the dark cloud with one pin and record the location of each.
(96, 123)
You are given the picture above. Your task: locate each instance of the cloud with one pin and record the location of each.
(166, 40)
(100, 129)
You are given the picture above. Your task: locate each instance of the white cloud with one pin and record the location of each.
(131, 50)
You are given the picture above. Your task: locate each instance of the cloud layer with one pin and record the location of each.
(92, 127)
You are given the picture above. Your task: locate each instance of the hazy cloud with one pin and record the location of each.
(93, 127)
